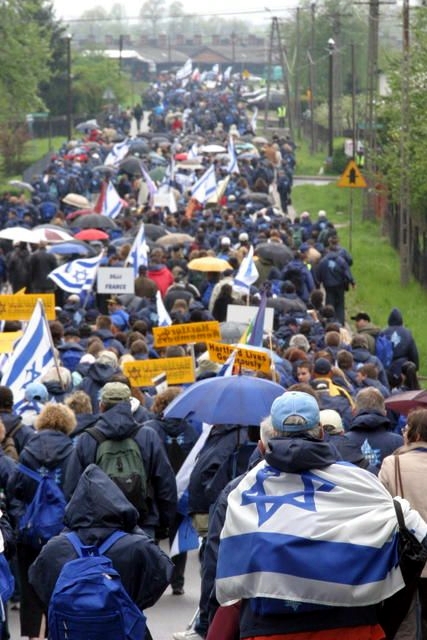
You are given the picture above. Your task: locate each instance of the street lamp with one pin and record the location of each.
(331, 50)
(68, 39)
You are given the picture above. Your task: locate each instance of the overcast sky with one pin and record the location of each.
(66, 9)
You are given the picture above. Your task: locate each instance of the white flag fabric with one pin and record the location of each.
(205, 186)
(112, 204)
(193, 152)
(78, 275)
(215, 69)
(227, 73)
(152, 189)
(253, 123)
(247, 273)
(117, 153)
(185, 70)
(233, 166)
(31, 358)
(163, 318)
(310, 554)
(138, 254)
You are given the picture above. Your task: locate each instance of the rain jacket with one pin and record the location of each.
(23, 433)
(98, 374)
(118, 423)
(370, 430)
(404, 347)
(96, 509)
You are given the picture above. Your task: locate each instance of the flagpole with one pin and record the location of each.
(54, 349)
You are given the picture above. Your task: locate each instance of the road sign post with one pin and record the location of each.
(352, 178)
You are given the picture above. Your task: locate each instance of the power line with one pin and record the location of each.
(176, 16)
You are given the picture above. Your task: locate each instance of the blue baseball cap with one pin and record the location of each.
(295, 411)
(36, 391)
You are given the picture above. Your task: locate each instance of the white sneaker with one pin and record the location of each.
(190, 634)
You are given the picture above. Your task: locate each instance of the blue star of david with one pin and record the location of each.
(304, 499)
(80, 275)
(33, 373)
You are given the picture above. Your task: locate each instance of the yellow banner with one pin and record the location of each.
(257, 360)
(178, 371)
(21, 306)
(8, 339)
(186, 333)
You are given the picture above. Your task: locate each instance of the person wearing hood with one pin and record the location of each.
(98, 373)
(404, 346)
(80, 404)
(371, 429)
(295, 509)
(362, 356)
(98, 508)
(49, 449)
(103, 330)
(178, 438)
(159, 272)
(117, 422)
(17, 433)
(58, 383)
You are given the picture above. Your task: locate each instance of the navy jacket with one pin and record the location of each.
(23, 433)
(118, 423)
(370, 430)
(404, 347)
(98, 508)
(98, 374)
(48, 449)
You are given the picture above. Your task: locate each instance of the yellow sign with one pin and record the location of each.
(186, 333)
(178, 371)
(21, 306)
(249, 358)
(7, 340)
(352, 177)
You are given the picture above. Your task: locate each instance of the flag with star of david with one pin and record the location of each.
(31, 358)
(78, 275)
(324, 536)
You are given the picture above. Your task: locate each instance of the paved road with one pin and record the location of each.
(170, 614)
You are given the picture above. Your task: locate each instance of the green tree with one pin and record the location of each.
(93, 74)
(152, 12)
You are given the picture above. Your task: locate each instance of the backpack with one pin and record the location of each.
(7, 586)
(121, 460)
(44, 515)
(297, 237)
(89, 599)
(8, 445)
(384, 350)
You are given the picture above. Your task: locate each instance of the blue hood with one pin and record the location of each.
(98, 503)
(370, 420)
(395, 318)
(118, 422)
(295, 455)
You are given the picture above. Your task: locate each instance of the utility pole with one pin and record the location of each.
(331, 50)
(312, 77)
(121, 39)
(297, 101)
(68, 39)
(276, 47)
(405, 194)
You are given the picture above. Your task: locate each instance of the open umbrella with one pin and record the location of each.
(91, 234)
(279, 254)
(212, 148)
(407, 400)
(88, 125)
(93, 221)
(21, 185)
(153, 231)
(238, 399)
(131, 165)
(45, 234)
(79, 212)
(231, 332)
(157, 174)
(74, 247)
(19, 234)
(209, 264)
(259, 140)
(174, 238)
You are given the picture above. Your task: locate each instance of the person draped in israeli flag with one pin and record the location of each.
(78, 275)
(31, 358)
(309, 542)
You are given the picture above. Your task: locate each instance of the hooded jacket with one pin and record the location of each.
(98, 374)
(404, 347)
(118, 423)
(98, 508)
(370, 430)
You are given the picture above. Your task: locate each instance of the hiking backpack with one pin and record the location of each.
(89, 599)
(121, 460)
(44, 515)
(384, 350)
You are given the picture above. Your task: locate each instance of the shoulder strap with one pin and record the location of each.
(108, 542)
(101, 437)
(29, 472)
(15, 429)
(398, 475)
(399, 514)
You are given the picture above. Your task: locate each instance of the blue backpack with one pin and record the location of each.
(89, 600)
(384, 350)
(43, 517)
(7, 586)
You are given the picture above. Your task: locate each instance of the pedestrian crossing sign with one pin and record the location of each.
(351, 177)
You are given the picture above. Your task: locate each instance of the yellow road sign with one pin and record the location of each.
(351, 177)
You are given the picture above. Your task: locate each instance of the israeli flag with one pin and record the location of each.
(326, 537)
(138, 254)
(163, 318)
(227, 74)
(117, 153)
(112, 204)
(247, 273)
(185, 70)
(193, 153)
(152, 189)
(232, 166)
(205, 186)
(253, 123)
(78, 275)
(31, 358)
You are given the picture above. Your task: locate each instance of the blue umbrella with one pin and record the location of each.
(238, 399)
(72, 247)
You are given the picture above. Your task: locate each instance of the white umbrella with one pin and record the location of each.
(212, 148)
(19, 234)
(21, 185)
(52, 236)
